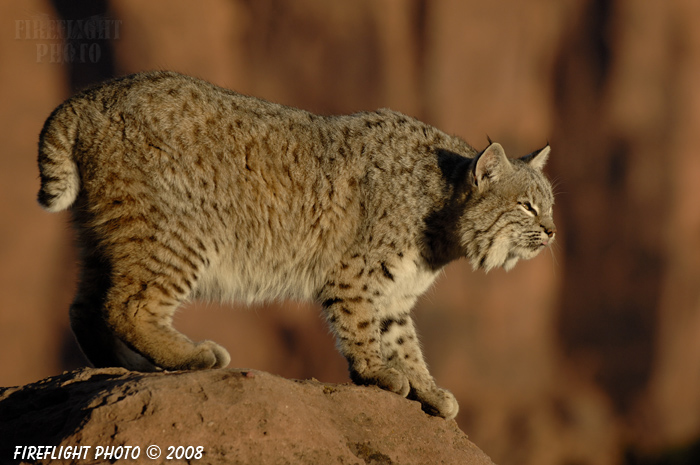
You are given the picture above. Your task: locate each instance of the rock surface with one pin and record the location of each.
(235, 416)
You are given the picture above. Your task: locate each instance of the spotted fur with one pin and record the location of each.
(179, 190)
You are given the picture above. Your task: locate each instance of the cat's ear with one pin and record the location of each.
(538, 158)
(490, 165)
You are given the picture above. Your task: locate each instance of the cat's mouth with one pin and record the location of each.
(546, 241)
(521, 253)
(525, 253)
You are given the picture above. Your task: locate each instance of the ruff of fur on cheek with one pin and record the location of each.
(510, 262)
(495, 254)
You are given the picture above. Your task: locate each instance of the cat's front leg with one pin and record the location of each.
(353, 319)
(401, 351)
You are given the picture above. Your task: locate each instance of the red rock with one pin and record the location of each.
(233, 417)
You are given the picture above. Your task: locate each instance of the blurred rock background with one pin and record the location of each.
(588, 355)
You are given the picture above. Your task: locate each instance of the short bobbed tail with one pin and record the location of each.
(60, 179)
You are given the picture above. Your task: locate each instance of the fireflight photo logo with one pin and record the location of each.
(70, 40)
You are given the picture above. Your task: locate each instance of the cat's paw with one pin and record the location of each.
(437, 402)
(388, 379)
(208, 354)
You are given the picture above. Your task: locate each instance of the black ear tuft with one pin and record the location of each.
(538, 158)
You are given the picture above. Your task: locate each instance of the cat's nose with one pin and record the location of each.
(550, 230)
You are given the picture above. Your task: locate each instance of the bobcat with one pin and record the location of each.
(179, 190)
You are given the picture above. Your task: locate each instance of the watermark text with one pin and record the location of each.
(72, 40)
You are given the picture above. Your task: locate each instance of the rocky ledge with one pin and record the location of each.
(219, 417)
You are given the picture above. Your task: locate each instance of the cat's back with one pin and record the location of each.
(165, 156)
(186, 113)
(166, 131)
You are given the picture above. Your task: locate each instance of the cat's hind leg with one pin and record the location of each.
(123, 310)
(139, 312)
(88, 321)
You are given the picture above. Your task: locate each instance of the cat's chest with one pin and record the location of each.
(409, 279)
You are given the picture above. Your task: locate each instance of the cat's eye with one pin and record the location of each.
(528, 208)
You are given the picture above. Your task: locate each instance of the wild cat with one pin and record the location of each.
(182, 190)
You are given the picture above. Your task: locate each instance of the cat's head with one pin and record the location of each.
(509, 213)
